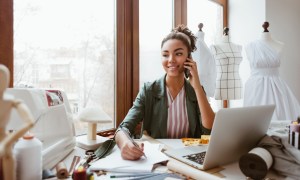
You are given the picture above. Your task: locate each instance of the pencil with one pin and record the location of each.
(138, 175)
(133, 142)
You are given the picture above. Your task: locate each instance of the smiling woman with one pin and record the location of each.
(171, 106)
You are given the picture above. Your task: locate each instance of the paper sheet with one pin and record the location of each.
(115, 163)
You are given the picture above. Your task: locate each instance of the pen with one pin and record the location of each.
(133, 142)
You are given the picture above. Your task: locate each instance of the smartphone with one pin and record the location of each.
(187, 71)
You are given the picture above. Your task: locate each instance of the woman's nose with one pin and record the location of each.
(171, 59)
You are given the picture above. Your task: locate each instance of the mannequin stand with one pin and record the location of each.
(225, 103)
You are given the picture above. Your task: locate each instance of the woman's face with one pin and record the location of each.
(174, 54)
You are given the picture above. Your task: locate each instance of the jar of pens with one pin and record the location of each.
(294, 133)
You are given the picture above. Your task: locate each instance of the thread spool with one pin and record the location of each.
(61, 171)
(79, 173)
(256, 163)
(28, 153)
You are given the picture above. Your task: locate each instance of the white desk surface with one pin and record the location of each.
(231, 171)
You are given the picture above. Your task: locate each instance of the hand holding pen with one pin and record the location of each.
(129, 153)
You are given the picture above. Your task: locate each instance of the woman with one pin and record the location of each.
(172, 106)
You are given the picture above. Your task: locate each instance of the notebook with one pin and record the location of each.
(115, 163)
(235, 132)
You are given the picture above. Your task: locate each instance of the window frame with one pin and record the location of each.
(127, 46)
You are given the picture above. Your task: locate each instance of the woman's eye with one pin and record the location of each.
(178, 54)
(165, 55)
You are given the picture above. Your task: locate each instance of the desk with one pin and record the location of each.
(230, 171)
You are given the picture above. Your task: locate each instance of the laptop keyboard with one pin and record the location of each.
(198, 157)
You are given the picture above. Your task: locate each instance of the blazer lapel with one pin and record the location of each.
(160, 105)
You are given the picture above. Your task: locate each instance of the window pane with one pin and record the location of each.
(155, 21)
(67, 45)
(208, 13)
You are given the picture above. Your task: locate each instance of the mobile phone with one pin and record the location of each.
(187, 71)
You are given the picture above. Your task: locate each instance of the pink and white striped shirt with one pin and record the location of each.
(178, 124)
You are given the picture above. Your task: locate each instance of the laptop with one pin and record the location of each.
(235, 132)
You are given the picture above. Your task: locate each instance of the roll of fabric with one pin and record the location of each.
(256, 163)
(189, 171)
(61, 171)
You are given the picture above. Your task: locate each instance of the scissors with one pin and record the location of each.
(89, 156)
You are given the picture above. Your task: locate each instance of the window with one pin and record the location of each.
(151, 35)
(67, 45)
(208, 13)
(27, 27)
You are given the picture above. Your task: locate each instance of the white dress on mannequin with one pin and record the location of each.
(264, 85)
(228, 57)
(206, 65)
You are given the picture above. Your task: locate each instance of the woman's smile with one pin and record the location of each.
(173, 67)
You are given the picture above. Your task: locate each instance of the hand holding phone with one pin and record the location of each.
(187, 72)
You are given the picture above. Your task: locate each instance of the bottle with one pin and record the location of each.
(28, 155)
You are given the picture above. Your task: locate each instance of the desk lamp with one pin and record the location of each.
(92, 116)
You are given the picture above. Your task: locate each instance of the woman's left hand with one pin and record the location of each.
(194, 79)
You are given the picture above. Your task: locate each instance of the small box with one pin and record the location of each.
(294, 134)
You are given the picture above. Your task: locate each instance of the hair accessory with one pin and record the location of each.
(185, 36)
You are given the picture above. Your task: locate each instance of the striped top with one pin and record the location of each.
(178, 124)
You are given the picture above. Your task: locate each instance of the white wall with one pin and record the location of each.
(283, 17)
(245, 23)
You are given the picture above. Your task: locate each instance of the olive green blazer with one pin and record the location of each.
(151, 107)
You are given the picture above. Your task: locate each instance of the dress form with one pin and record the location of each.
(7, 140)
(267, 38)
(201, 33)
(206, 64)
(228, 58)
(265, 86)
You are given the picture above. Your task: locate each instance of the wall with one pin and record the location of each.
(283, 17)
(245, 23)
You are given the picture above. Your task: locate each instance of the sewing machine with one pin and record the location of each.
(53, 121)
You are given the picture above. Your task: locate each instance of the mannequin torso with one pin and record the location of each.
(228, 58)
(267, 38)
(200, 35)
(206, 65)
(265, 86)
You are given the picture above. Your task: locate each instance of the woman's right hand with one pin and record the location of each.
(130, 152)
